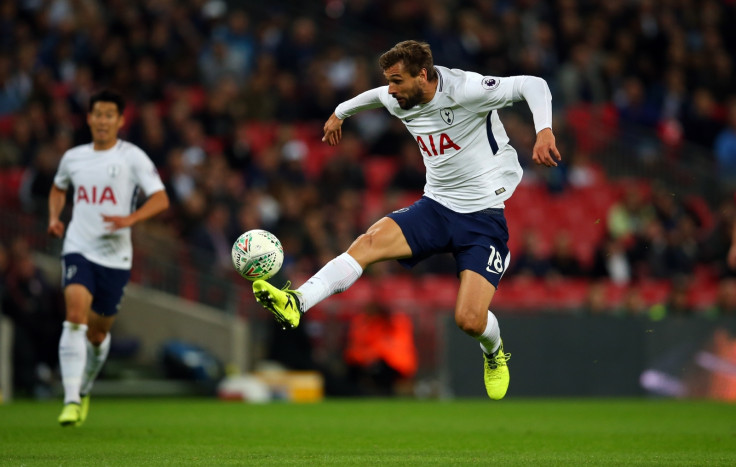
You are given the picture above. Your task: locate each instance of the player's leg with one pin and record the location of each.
(72, 350)
(110, 285)
(98, 348)
(474, 318)
(382, 241)
(482, 255)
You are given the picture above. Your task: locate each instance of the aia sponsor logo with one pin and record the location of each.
(436, 145)
(95, 195)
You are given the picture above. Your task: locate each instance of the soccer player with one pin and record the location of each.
(471, 170)
(97, 251)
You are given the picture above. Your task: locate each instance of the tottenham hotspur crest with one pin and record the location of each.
(447, 115)
(113, 170)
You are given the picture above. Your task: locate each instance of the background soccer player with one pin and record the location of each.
(471, 170)
(97, 253)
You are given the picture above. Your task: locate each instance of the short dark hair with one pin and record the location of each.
(414, 54)
(107, 95)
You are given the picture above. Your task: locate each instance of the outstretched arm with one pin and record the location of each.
(155, 204)
(370, 99)
(536, 94)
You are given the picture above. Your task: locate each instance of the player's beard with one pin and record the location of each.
(414, 98)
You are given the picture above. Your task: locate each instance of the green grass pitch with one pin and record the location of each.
(525, 432)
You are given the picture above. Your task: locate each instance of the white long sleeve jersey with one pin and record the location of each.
(105, 182)
(470, 164)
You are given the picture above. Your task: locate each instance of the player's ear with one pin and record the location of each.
(121, 121)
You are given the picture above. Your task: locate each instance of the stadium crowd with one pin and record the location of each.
(229, 101)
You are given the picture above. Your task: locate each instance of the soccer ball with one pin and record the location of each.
(257, 254)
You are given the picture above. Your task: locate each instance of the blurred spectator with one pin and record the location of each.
(611, 261)
(649, 254)
(380, 350)
(725, 149)
(580, 77)
(532, 259)
(410, 174)
(627, 217)
(211, 242)
(343, 171)
(562, 260)
(37, 180)
(701, 123)
(35, 308)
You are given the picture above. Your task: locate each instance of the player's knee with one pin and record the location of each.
(469, 322)
(362, 247)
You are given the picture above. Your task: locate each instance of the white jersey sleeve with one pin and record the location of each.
(62, 179)
(144, 172)
(486, 93)
(370, 99)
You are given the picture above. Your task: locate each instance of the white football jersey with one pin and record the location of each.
(105, 182)
(470, 164)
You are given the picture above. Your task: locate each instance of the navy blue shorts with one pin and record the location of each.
(477, 240)
(105, 284)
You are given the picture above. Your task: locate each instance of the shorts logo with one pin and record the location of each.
(399, 211)
(113, 170)
(489, 84)
(71, 271)
(495, 263)
(447, 115)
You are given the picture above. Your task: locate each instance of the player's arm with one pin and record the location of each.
(486, 93)
(367, 100)
(155, 204)
(57, 200)
(536, 93)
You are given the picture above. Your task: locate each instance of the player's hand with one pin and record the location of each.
(117, 222)
(545, 151)
(333, 130)
(56, 228)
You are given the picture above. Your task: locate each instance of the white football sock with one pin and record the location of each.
(334, 277)
(72, 357)
(96, 356)
(490, 340)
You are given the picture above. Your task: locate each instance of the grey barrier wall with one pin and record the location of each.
(558, 355)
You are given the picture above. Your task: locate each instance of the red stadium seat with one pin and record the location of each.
(654, 291)
(378, 172)
(396, 290)
(439, 292)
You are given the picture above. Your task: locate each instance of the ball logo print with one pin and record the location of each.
(489, 83)
(257, 254)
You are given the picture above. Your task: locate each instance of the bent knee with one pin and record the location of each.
(471, 322)
(363, 249)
